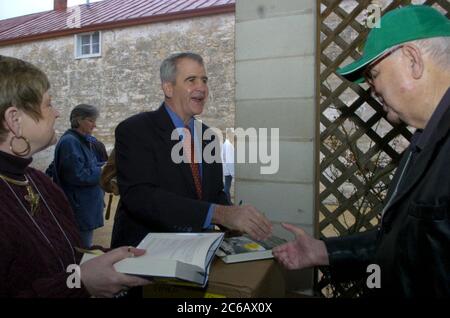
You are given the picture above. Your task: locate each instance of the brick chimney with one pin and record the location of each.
(59, 5)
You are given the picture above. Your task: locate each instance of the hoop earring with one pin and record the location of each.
(22, 153)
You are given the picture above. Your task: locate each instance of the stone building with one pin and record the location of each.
(108, 54)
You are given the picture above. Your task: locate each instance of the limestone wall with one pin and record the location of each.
(125, 80)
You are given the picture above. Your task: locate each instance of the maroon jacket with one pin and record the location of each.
(29, 267)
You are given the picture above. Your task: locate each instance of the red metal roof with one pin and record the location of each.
(14, 22)
(106, 14)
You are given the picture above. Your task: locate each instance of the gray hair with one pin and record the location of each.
(81, 112)
(168, 69)
(437, 48)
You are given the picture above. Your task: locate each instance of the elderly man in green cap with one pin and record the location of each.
(407, 64)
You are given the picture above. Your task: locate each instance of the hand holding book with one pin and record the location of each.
(99, 277)
(185, 256)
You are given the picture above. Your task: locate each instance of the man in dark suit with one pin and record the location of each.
(160, 194)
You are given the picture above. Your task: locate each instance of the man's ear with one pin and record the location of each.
(415, 60)
(13, 119)
(167, 89)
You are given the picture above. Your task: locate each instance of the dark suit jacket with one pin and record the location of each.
(158, 195)
(412, 246)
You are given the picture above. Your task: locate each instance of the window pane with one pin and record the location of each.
(95, 48)
(85, 39)
(95, 37)
(85, 49)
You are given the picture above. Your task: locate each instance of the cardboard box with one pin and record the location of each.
(255, 279)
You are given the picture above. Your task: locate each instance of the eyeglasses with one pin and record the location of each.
(367, 72)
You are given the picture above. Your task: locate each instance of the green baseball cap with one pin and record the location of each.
(398, 26)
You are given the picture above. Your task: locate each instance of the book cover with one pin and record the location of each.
(243, 248)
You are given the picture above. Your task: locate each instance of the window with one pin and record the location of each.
(88, 45)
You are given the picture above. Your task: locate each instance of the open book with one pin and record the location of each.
(242, 249)
(185, 256)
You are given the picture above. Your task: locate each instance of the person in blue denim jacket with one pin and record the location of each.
(77, 171)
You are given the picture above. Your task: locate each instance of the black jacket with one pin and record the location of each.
(158, 195)
(412, 245)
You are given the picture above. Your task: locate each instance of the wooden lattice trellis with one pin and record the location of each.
(359, 148)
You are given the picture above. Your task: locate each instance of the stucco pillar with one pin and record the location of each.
(275, 88)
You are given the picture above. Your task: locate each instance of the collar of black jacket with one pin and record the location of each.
(434, 124)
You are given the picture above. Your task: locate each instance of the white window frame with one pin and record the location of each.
(78, 52)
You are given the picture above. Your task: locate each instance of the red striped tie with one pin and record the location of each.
(189, 150)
